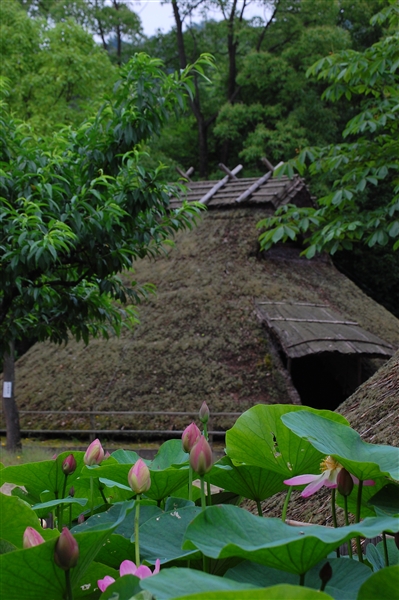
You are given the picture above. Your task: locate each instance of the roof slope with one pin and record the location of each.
(199, 338)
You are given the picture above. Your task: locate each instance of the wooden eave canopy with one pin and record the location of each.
(231, 191)
(305, 328)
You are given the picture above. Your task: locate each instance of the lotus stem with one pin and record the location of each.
(190, 482)
(208, 493)
(334, 516)
(287, 499)
(136, 531)
(358, 513)
(91, 496)
(69, 592)
(347, 524)
(260, 512)
(203, 501)
(385, 546)
(302, 579)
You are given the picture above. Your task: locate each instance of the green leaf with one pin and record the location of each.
(382, 585)
(347, 577)
(40, 476)
(162, 536)
(386, 500)
(376, 556)
(177, 582)
(225, 531)
(32, 574)
(248, 481)
(16, 516)
(124, 588)
(343, 443)
(260, 438)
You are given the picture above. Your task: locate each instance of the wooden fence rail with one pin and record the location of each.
(134, 433)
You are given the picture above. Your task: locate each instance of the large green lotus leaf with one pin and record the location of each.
(246, 480)
(124, 588)
(44, 475)
(226, 530)
(176, 582)
(376, 556)
(382, 585)
(169, 454)
(53, 503)
(115, 550)
(260, 438)
(344, 584)
(386, 500)
(161, 537)
(32, 574)
(87, 586)
(364, 460)
(16, 516)
(126, 457)
(278, 592)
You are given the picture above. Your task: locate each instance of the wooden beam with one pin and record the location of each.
(256, 185)
(227, 171)
(186, 174)
(267, 163)
(205, 199)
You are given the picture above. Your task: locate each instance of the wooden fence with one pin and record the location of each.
(94, 430)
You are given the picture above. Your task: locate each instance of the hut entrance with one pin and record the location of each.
(325, 380)
(321, 349)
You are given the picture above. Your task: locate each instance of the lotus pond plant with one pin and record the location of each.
(97, 526)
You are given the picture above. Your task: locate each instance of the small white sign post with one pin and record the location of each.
(7, 389)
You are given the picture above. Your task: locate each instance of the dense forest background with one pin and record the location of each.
(60, 58)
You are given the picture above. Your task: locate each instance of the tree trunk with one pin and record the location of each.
(9, 404)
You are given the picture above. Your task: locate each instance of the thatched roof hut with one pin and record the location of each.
(202, 337)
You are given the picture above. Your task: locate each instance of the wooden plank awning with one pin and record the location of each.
(304, 328)
(246, 191)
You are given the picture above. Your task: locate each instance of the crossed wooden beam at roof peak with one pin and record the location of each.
(231, 176)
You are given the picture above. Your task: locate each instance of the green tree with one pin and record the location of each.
(58, 74)
(363, 204)
(75, 215)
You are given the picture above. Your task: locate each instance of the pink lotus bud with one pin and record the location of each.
(69, 465)
(325, 574)
(106, 455)
(190, 436)
(139, 477)
(31, 538)
(344, 482)
(204, 413)
(201, 459)
(94, 454)
(81, 518)
(71, 492)
(66, 552)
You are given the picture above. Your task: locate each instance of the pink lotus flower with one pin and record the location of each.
(127, 567)
(190, 436)
(69, 465)
(32, 538)
(201, 458)
(139, 477)
(330, 469)
(94, 454)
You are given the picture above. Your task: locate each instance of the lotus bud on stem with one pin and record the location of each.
(94, 455)
(66, 556)
(139, 479)
(201, 461)
(68, 468)
(189, 438)
(345, 487)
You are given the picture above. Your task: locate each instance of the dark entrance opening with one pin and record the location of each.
(325, 380)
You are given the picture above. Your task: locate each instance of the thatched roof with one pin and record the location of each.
(199, 338)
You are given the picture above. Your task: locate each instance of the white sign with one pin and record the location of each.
(7, 389)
